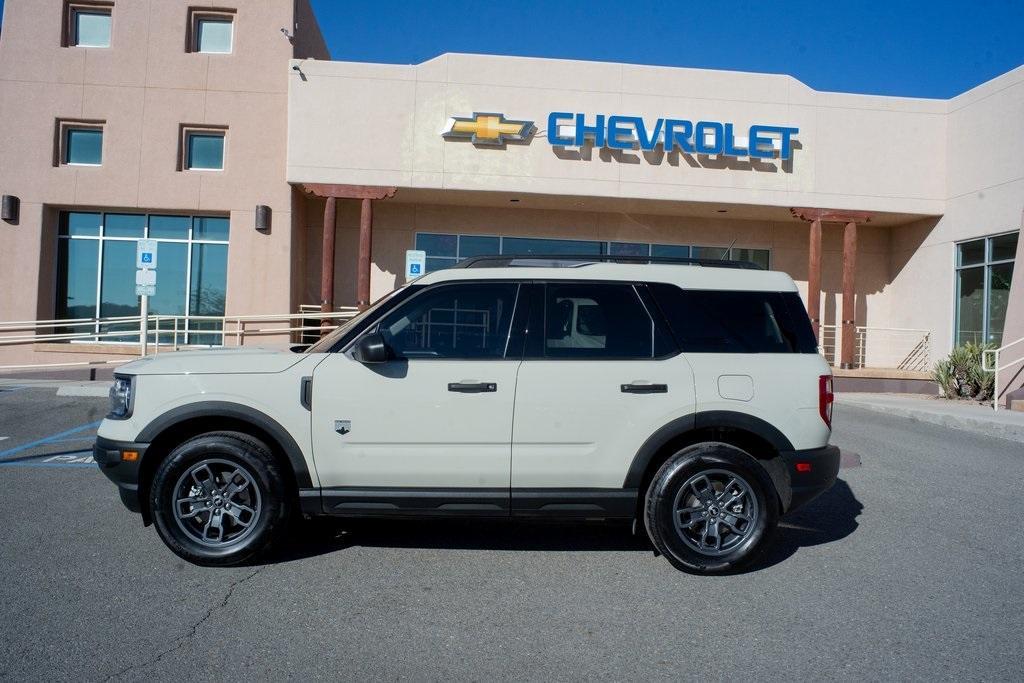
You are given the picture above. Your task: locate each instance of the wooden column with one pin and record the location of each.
(814, 277)
(327, 262)
(365, 251)
(849, 286)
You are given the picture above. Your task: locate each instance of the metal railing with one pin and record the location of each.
(167, 331)
(996, 368)
(880, 347)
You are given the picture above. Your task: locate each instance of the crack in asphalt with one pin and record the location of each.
(180, 641)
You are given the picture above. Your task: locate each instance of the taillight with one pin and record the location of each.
(825, 399)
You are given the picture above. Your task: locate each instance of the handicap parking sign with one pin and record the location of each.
(415, 263)
(145, 254)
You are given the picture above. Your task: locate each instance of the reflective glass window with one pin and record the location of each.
(91, 28)
(213, 35)
(83, 146)
(205, 151)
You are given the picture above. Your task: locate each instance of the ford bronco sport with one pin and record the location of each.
(689, 397)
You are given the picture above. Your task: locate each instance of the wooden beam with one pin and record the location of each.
(849, 285)
(349, 191)
(365, 253)
(327, 262)
(814, 277)
(830, 215)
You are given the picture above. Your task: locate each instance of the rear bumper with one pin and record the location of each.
(811, 473)
(108, 456)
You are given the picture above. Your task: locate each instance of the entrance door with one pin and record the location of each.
(598, 381)
(432, 427)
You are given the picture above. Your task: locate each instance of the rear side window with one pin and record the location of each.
(705, 321)
(598, 321)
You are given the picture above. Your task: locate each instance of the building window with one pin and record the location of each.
(202, 148)
(87, 24)
(96, 273)
(211, 31)
(984, 269)
(447, 250)
(80, 143)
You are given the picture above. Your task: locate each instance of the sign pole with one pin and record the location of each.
(144, 324)
(145, 287)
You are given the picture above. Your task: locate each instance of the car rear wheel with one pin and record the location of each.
(711, 508)
(219, 499)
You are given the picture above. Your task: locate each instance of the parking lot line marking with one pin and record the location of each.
(47, 464)
(46, 440)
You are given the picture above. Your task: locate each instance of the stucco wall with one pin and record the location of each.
(381, 124)
(144, 86)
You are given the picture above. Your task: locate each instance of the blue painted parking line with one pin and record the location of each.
(76, 458)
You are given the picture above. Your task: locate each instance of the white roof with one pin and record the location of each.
(685, 276)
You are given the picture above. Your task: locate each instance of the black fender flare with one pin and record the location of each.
(700, 420)
(235, 411)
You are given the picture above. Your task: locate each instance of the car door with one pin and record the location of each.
(430, 428)
(599, 377)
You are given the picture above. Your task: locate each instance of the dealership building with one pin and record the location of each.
(273, 178)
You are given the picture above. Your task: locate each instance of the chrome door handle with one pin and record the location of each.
(473, 387)
(636, 388)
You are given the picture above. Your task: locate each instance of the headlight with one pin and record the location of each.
(121, 398)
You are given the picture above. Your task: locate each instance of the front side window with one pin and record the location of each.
(204, 151)
(597, 321)
(88, 25)
(984, 271)
(468, 321)
(96, 273)
(82, 146)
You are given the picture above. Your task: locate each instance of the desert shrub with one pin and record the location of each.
(960, 376)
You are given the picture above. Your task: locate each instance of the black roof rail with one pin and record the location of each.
(575, 261)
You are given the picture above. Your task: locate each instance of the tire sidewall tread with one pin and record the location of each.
(238, 447)
(674, 472)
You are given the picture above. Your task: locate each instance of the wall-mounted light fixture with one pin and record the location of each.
(263, 219)
(11, 207)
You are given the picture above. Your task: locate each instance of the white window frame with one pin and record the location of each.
(606, 244)
(189, 241)
(985, 265)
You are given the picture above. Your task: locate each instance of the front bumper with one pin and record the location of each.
(108, 456)
(811, 473)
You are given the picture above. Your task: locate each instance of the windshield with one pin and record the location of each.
(325, 343)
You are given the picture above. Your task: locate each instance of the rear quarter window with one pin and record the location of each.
(715, 321)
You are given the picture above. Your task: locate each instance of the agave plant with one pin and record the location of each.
(960, 374)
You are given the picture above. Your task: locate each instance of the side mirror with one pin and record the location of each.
(371, 349)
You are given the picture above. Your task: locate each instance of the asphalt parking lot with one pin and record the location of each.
(909, 568)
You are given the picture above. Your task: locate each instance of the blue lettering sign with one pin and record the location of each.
(704, 137)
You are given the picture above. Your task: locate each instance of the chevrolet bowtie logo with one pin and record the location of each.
(488, 129)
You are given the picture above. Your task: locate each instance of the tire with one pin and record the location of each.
(685, 483)
(226, 482)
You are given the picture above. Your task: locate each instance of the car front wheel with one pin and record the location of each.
(710, 508)
(219, 499)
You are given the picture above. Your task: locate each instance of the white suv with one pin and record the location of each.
(691, 397)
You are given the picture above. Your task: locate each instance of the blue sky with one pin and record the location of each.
(916, 48)
(925, 48)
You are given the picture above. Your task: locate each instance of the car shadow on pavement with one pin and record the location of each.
(830, 517)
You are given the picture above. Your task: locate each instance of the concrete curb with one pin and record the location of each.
(84, 390)
(997, 425)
